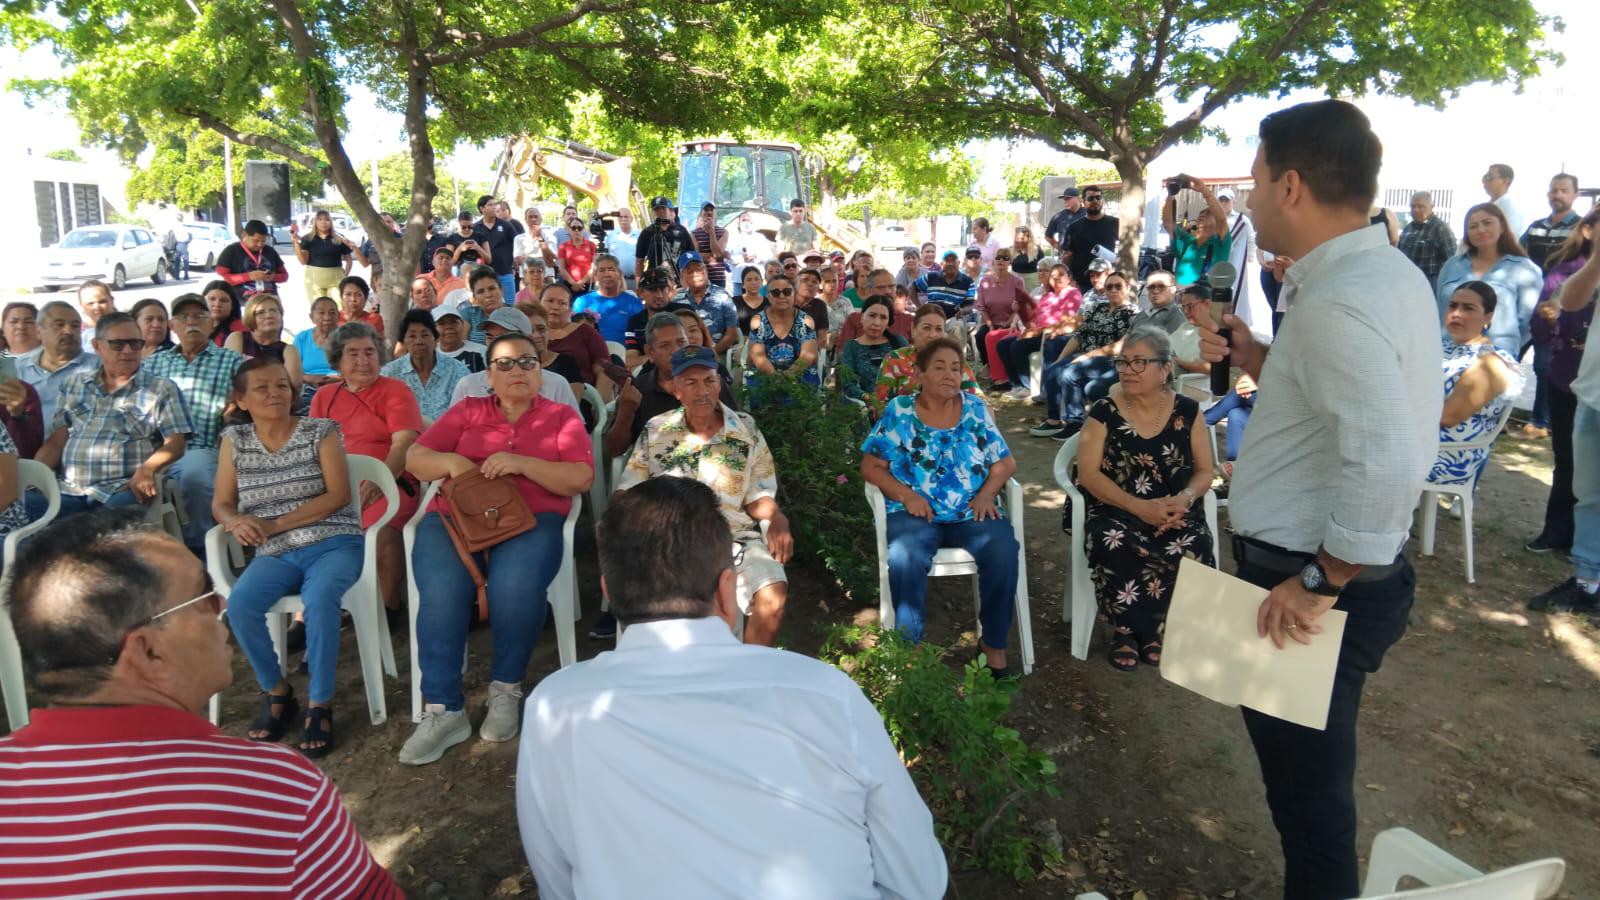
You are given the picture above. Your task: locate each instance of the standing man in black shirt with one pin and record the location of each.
(464, 247)
(499, 239)
(1095, 229)
(663, 242)
(251, 264)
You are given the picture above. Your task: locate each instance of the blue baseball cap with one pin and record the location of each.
(689, 256)
(690, 357)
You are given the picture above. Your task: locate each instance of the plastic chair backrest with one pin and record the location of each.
(616, 348)
(37, 476)
(367, 469)
(1482, 443)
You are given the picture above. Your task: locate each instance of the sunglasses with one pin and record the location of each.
(791, 264)
(779, 292)
(507, 363)
(1002, 257)
(123, 344)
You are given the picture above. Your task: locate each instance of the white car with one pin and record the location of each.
(891, 241)
(206, 240)
(110, 253)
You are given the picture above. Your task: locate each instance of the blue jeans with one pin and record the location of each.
(1237, 409)
(321, 574)
(196, 475)
(508, 288)
(180, 262)
(912, 544)
(1049, 375)
(1078, 383)
(519, 570)
(35, 504)
(1310, 775)
(1539, 417)
(1014, 352)
(1586, 488)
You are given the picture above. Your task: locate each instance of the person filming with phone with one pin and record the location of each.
(1341, 439)
(1195, 247)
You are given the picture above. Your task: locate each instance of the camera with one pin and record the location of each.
(1176, 184)
(599, 226)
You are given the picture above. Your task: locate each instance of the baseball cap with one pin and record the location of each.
(689, 256)
(655, 279)
(837, 254)
(690, 357)
(510, 318)
(439, 312)
(184, 301)
(974, 250)
(1069, 192)
(812, 254)
(1100, 265)
(951, 254)
(1225, 194)
(660, 202)
(708, 206)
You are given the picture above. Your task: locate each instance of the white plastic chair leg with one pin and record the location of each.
(1430, 520)
(11, 683)
(1401, 852)
(278, 628)
(1036, 373)
(366, 618)
(216, 709)
(1466, 533)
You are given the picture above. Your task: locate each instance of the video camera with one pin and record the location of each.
(1178, 183)
(598, 226)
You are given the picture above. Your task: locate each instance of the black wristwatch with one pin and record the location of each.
(1314, 579)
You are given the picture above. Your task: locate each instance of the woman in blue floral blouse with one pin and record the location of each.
(942, 464)
(783, 338)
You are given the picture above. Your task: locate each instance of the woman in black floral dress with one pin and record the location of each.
(1143, 459)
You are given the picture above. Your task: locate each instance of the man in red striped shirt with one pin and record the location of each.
(118, 788)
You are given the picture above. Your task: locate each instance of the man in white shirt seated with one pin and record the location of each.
(502, 320)
(686, 764)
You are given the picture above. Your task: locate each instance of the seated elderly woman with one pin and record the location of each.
(1143, 459)
(283, 487)
(862, 357)
(430, 375)
(942, 465)
(783, 338)
(380, 418)
(898, 376)
(263, 337)
(1480, 380)
(541, 445)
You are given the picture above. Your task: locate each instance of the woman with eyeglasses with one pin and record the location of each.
(783, 339)
(263, 336)
(1143, 460)
(1097, 336)
(542, 447)
(283, 487)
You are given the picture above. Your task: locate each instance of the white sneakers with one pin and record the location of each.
(442, 729)
(1020, 393)
(500, 720)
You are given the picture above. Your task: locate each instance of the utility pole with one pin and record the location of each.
(227, 185)
(376, 194)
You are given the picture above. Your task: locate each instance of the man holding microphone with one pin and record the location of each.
(1333, 460)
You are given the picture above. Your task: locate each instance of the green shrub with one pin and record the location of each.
(973, 770)
(815, 438)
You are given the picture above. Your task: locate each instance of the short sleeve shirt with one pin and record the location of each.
(715, 307)
(324, 252)
(735, 463)
(371, 417)
(433, 398)
(946, 466)
(110, 435)
(898, 376)
(477, 429)
(715, 270)
(783, 351)
(612, 313)
(578, 257)
(205, 385)
(1191, 261)
(501, 241)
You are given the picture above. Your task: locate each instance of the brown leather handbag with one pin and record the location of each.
(484, 512)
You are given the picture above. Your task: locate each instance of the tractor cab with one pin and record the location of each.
(759, 178)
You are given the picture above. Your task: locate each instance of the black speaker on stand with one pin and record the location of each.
(266, 191)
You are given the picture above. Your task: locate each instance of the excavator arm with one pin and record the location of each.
(605, 179)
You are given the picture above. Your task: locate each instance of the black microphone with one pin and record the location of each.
(1221, 278)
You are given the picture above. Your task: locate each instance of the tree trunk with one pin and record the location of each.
(1130, 232)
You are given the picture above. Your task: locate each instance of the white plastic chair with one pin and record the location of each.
(38, 477)
(1077, 599)
(1036, 372)
(1461, 489)
(166, 509)
(1399, 853)
(600, 490)
(617, 349)
(955, 561)
(563, 594)
(363, 601)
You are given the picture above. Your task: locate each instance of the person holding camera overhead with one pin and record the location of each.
(663, 242)
(1195, 250)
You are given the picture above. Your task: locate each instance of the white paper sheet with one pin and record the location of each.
(1211, 647)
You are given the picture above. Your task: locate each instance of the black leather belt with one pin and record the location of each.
(1262, 555)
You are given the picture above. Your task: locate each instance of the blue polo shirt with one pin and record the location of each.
(612, 313)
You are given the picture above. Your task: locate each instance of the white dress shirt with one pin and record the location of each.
(686, 764)
(551, 387)
(1347, 424)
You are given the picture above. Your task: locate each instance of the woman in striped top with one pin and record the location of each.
(283, 487)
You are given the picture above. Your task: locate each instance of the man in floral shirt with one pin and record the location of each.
(711, 443)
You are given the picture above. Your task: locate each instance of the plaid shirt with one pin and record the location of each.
(109, 436)
(1428, 245)
(204, 385)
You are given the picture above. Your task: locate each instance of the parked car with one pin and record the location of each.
(891, 241)
(206, 240)
(110, 253)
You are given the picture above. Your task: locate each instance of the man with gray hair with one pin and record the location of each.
(107, 421)
(797, 794)
(1426, 240)
(650, 394)
(121, 634)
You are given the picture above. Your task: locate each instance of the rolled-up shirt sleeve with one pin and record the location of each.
(1351, 376)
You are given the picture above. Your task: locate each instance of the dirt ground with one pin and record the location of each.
(1476, 733)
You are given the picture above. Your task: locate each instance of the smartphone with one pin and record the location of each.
(8, 369)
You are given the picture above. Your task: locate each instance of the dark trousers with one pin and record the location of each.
(1310, 775)
(1014, 352)
(1558, 529)
(983, 351)
(1539, 416)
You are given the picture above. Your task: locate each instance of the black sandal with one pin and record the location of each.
(319, 727)
(1124, 649)
(1150, 645)
(274, 725)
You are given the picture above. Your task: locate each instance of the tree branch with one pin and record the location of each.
(1010, 51)
(1144, 86)
(466, 51)
(1220, 97)
(259, 141)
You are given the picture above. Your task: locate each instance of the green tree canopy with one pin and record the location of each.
(1094, 79)
(65, 154)
(186, 168)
